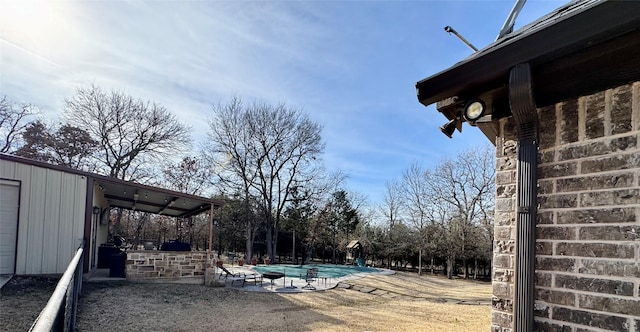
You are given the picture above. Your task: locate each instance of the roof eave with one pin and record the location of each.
(198, 204)
(489, 68)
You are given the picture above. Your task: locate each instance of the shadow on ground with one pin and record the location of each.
(427, 287)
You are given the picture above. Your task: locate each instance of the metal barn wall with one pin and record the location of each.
(51, 225)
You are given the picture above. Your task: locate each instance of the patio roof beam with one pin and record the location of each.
(170, 204)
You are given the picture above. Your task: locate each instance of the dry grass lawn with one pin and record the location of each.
(400, 302)
(350, 311)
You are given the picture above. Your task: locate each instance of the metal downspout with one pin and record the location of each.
(524, 113)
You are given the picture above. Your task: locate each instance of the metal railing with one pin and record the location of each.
(60, 312)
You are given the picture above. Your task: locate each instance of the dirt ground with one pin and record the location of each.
(400, 302)
(22, 299)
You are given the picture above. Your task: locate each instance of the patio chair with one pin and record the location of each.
(226, 273)
(239, 277)
(252, 277)
(312, 275)
(234, 277)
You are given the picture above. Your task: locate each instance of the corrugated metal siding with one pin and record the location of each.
(53, 227)
(78, 188)
(51, 217)
(7, 169)
(35, 230)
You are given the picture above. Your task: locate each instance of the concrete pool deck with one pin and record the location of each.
(290, 283)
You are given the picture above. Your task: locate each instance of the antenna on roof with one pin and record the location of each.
(507, 27)
(451, 30)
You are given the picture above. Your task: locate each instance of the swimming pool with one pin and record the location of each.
(324, 270)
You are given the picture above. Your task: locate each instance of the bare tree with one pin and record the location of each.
(191, 176)
(188, 176)
(390, 209)
(130, 131)
(14, 119)
(421, 209)
(391, 202)
(265, 151)
(228, 150)
(287, 144)
(464, 190)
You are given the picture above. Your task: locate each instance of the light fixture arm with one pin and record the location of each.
(453, 31)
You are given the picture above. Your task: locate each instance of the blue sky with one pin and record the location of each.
(351, 65)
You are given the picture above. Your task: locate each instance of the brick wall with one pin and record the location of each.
(147, 264)
(588, 225)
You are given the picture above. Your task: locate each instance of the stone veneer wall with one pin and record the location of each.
(146, 264)
(588, 225)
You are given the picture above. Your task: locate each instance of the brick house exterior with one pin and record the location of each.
(561, 101)
(588, 224)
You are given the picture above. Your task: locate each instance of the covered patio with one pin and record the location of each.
(109, 193)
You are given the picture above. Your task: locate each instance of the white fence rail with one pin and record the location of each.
(60, 312)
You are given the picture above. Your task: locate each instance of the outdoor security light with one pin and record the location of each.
(96, 210)
(449, 128)
(474, 110)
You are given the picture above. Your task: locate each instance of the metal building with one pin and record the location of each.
(46, 211)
